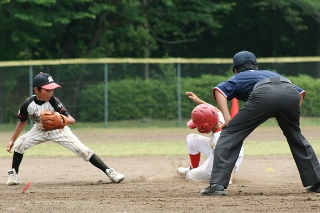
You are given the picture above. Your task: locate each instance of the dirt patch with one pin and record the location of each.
(152, 185)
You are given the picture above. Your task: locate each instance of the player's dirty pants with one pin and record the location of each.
(198, 143)
(268, 100)
(63, 137)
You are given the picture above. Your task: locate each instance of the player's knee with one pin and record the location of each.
(190, 138)
(19, 148)
(190, 142)
(88, 155)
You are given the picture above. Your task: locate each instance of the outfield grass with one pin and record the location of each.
(155, 149)
(154, 124)
(161, 148)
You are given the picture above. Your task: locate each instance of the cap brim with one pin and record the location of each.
(51, 86)
(191, 125)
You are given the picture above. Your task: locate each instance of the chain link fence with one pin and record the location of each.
(104, 90)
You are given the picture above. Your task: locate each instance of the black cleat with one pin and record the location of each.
(314, 188)
(213, 190)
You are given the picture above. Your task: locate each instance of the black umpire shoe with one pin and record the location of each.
(314, 188)
(213, 190)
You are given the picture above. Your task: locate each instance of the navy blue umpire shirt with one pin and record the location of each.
(241, 84)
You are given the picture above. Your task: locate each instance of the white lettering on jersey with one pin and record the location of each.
(60, 105)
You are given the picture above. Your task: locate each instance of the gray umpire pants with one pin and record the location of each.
(279, 100)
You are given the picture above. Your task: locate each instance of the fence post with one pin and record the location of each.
(106, 95)
(30, 87)
(179, 93)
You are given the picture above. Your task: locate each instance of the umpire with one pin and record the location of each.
(266, 94)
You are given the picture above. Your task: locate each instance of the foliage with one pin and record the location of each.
(202, 87)
(311, 7)
(11, 87)
(132, 99)
(50, 29)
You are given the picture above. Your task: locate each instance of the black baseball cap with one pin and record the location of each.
(45, 81)
(242, 57)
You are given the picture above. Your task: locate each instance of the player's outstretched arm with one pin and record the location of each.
(195, 98)
(20, 126)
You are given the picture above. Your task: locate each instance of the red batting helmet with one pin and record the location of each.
(204, 116)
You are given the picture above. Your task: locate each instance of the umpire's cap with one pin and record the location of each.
(45, 81)
(244, 57)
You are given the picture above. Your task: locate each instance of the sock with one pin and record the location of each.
(97, 162)
(16, 160)
(195, 160)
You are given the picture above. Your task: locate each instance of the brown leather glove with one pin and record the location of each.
(52, 120)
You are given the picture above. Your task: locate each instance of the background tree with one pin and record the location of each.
(312, 8)
(51, 29)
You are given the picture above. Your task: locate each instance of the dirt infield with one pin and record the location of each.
(152, 185)
(263, 184)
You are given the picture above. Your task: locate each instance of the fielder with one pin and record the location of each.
(51, 119)
(207, 119)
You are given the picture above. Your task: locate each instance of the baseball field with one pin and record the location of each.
(268, 180)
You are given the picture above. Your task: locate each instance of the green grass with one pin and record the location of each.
(114, 124)
(273, 148)
(50, 149)
(154, 124)
(162, 148)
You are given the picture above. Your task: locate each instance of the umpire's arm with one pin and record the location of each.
(223, 106)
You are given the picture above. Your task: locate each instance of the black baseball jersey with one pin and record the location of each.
(32, 108)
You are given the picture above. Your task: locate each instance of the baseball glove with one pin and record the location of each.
(52, 120)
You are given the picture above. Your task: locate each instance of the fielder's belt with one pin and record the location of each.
(273, 80)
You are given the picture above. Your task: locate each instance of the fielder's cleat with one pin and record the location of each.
(184, 170)
(213, 190)
(114, 176)
(314, 188)
(13, 178)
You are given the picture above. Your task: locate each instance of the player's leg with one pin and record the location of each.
(66, 138)
(113, 175)
(16, 161)
(24, 142)
(203, 172)
(13, 178)
(196, 144)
